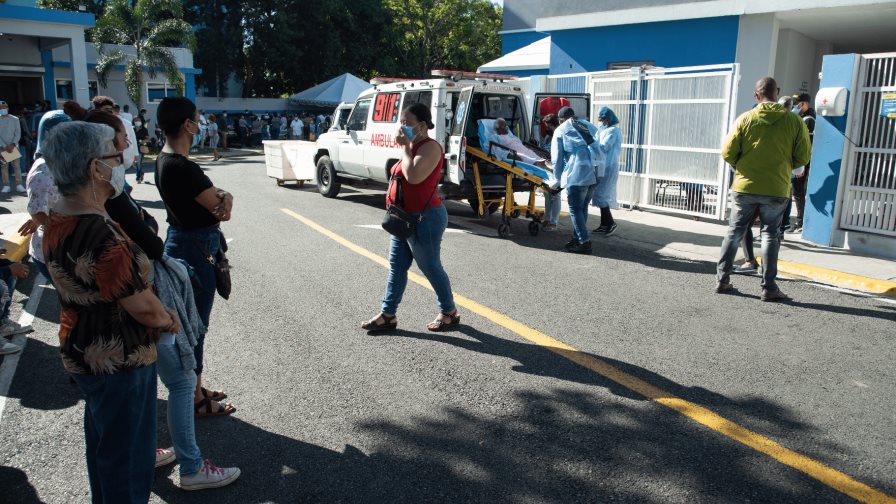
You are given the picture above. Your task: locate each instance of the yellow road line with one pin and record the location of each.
(827, 475)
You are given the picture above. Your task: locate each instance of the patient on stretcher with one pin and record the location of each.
(517, 149)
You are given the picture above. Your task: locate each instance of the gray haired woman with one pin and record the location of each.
(110, 319)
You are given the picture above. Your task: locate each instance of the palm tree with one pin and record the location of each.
(150, 27)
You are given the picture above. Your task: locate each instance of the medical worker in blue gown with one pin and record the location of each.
(608, 145)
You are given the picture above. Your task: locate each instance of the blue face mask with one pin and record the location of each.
(795, 110)
(408, 132)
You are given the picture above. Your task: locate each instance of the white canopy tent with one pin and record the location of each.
(535, 56)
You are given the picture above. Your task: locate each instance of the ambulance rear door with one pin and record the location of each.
(551, 103)
(457, 142)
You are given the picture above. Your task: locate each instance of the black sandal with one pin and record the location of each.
(214, 395)
(439, 325)
(389, 323)
(204, 408)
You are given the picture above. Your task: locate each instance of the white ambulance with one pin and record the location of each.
(365, 149)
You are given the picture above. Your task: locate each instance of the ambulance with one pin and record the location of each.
(365, 148)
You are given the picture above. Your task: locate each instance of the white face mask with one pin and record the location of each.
(3, 112)
(138, 124)
(116, 179)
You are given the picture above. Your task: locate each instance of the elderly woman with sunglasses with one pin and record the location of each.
(110, 318)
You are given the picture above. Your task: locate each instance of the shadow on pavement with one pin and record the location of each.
(549, 446)
(16, 487)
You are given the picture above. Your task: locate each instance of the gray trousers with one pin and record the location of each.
(743, 211)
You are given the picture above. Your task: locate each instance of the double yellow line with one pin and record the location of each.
(827, 475)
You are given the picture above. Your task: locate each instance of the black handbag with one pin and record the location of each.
(397, 221)
(220, 263)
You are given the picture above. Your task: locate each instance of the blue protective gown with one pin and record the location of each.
(571, 156)
(609, 146)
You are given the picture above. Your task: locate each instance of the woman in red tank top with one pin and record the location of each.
(418, 173)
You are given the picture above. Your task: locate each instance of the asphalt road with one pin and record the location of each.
(327, 413)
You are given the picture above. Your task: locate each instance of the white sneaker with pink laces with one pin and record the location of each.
(210, 476)
(164, 456)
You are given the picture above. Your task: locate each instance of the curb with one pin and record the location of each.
(838, 278)
(16, 246)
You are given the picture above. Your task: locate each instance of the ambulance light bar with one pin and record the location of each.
(460, 74)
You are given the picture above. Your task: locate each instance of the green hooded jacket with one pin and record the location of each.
(766, 144)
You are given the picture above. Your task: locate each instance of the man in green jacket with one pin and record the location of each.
(767, 142)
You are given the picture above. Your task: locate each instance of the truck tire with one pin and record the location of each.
(327, 182)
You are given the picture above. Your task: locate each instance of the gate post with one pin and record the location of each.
(831, 152)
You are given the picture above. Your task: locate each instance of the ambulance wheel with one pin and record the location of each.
(534, 228)
(327, 182)
(503, 230)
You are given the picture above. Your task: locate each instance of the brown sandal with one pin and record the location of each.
(439, 325)
(206, 405)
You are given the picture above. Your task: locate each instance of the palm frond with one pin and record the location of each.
(106, 61)
(171, 32)
(161, 58)
(155, 10)
(133, 80)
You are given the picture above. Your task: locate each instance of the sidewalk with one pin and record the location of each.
(683, 237)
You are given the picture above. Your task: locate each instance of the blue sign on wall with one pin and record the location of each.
(888, 105)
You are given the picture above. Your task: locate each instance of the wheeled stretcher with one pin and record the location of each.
(518, 176)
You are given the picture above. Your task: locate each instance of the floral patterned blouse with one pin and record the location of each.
(42, 195)
(93, 265)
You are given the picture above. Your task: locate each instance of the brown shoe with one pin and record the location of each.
(773, 296)
(724, 287)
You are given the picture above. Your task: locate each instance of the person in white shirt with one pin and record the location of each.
(203, 127)
(296, 127)
(10, 134)
(126, 115)
(131, 152)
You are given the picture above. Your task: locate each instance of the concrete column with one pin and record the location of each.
(46, 58)
(78, 54)
(757, 47)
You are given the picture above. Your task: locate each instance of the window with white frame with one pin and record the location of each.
(155, 91)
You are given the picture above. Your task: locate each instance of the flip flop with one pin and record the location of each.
(206, 405)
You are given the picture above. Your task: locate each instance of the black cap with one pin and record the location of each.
(802, 97)
(566, 113)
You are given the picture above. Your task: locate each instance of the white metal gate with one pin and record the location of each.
(869, 199)
(674, 121)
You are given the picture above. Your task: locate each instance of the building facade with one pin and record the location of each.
(44, 56)
(784, 39)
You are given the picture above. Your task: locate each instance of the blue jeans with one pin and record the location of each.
(194, 247)
(743, 211)
(10, 283)
(181, 385)
(139, 166)
(578, 198)
(552, 208)
(120, 434)
(425, 248)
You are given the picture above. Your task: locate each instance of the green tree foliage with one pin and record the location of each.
(92, 6)
(219, 41)
(277, 47)
(314, 40)
(433, 34)
(150, 27)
